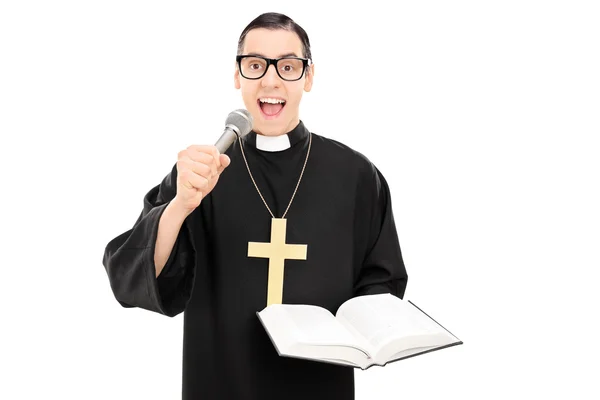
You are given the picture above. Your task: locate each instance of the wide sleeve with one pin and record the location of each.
(382, 269)
(129, 259)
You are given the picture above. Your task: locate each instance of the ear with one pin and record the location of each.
(310, 72)
(236, 78)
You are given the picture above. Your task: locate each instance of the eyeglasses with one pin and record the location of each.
(288, 68)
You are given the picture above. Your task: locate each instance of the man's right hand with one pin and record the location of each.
(198, 171)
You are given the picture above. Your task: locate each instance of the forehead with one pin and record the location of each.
(272, 43)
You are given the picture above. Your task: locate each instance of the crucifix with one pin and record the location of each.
(277, 251)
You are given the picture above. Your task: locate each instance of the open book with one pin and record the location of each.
(366, 330)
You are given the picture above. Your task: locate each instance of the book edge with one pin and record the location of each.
(414, 305)
(459, 342)
(269, 335)
(325, 360)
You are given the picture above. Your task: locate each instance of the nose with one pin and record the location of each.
(271, 79)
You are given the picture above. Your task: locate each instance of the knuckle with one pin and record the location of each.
(203, 182)
(185, 174)
(205, 169)
(182, 165)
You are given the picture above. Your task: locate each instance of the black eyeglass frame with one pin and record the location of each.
(272, 61)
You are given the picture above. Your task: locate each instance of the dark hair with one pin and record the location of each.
(276, 21)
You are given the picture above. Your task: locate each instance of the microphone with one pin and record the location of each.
(238, 124)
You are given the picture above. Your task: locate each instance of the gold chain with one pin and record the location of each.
(298, 184)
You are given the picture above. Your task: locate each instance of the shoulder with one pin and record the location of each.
(341, 154)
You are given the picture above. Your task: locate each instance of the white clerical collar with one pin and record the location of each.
(272, 143)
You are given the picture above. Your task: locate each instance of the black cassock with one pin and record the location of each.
(342, 211)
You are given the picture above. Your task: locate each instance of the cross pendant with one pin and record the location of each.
(277, 251)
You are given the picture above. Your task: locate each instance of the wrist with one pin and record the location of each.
(177, 210)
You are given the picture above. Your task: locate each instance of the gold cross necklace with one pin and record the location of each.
(277, 251)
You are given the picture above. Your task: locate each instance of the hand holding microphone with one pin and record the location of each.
(200, 166)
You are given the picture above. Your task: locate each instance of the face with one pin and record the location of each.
(273, 44)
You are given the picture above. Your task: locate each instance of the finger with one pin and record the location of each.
(217, 155)
(206, 149)
(207, 159)
(198, 168)
(200, 156)
(225, 160)
(192, 180)
(202, 148)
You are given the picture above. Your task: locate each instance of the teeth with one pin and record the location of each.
(272, 101)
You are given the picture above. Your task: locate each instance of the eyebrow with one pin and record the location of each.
(292, 54)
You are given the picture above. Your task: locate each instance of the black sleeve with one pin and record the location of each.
(382, 269)
(129, 259)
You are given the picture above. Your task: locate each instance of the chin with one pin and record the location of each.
(270, 129)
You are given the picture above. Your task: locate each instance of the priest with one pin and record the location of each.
(285, 215)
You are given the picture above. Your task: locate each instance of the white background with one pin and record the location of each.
(483, 116)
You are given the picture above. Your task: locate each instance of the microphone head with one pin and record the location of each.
(240, 121)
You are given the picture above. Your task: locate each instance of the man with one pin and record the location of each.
(193, 248)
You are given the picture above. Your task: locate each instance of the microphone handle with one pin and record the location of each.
(227, 138)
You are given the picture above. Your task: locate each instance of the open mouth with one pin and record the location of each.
(271, 107)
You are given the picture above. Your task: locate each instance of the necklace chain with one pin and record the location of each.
(298, 184)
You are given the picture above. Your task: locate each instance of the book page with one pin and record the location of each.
(317, 326)
(311, 332)
(280, 328)
(379, 318)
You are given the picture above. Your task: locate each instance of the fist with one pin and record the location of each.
(198, 171)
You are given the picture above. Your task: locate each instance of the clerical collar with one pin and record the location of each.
(277, 143)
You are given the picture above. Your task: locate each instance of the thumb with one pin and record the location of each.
(225, 161)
